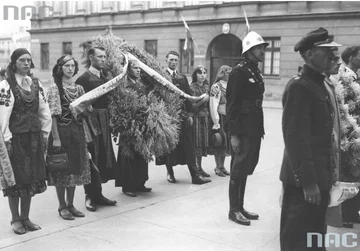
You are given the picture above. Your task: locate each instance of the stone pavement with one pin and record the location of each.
(178, 216)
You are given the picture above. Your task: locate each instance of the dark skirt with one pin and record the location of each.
(73, 142)
(28, 163)
(132, 172)
(184, 153)
(201, 130)
(224, 150)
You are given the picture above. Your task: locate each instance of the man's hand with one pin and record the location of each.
(9, 148)
(216, 126)
(235, 143)
(312, 194)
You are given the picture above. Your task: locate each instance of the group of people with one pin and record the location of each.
(227, 121)
(35, 123)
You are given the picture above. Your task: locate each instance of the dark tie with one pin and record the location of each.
(174, 74)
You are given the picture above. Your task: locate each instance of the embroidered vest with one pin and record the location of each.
(24, 116)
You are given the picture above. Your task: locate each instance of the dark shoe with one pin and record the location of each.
(199, 180)
(348, 225)
(90, 206)
(131, 194)
(249, 215)
(65, 214)
(18, 227)
(238, 217)
(224, 171)
(203, 173)
(170, 178)
(75, 212)
(105, 201)
(218, 172)
(144, 189)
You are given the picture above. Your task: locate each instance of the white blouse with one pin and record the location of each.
(7, 104)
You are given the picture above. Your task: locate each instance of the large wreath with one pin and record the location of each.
(147, 124)
(348, 96)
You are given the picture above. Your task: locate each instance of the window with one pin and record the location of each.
(271, 64)
(67, 48)
(186, 57)
(151, 47)
(44, 60)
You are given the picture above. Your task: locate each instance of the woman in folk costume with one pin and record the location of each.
(68, 134)
(218, 117)
(25, 123)
(198, 87)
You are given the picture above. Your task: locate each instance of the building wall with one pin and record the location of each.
(287, 20)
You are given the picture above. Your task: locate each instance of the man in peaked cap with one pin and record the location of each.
(308, 162)
(244, 95)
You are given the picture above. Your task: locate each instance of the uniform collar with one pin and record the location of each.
(313, 74)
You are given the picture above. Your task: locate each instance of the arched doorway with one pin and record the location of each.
(223, 49)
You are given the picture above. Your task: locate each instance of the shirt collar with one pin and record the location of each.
(19, 78)
(310, 72)
(94, 71)
(171, 71)
(352, 73)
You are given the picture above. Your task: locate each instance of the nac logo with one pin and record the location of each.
(27, 12)
(346, 240)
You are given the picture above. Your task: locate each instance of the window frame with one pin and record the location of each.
(45, 63)
(272, 49)
(155, 41)
(63, 48)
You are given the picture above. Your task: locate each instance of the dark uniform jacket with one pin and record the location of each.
(307, 125)
(244, 95)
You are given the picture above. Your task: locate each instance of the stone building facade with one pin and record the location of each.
(217, 27)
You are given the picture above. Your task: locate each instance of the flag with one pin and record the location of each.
(188, 37)
(247, 22)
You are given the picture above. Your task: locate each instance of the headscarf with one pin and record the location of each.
(18, 53)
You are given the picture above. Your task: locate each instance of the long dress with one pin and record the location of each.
(201, 128)
(132, 172)
(218, 116)
(72, 136)
(25, 121)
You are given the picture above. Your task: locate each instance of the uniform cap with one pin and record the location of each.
(315, 38)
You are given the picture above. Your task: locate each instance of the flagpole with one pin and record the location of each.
(188, 30)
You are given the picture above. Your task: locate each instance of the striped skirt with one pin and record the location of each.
(201, 130)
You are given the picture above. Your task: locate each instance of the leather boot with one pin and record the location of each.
(247, 214)
(234, 197)
(196, 178)
(201, 171)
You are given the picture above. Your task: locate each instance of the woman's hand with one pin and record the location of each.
(216, 126)
(56, 144)
(9, 148)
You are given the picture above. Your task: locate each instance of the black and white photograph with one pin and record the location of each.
(180, 125)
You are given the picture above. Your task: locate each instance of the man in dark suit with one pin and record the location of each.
(244, 95)
(100, 148)
(308, 163)
(183, 154)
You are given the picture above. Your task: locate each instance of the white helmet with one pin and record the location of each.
(252, 39)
